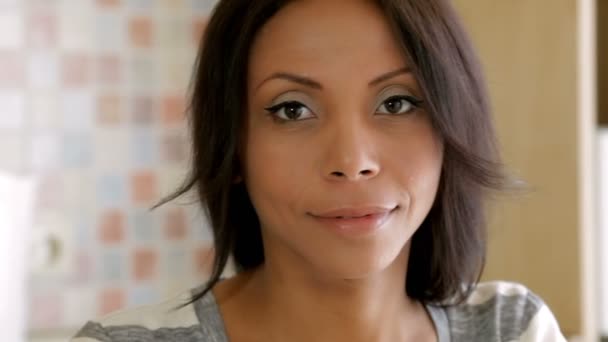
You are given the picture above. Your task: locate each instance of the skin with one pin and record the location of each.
(342, 148)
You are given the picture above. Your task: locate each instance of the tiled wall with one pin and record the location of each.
(92, 99)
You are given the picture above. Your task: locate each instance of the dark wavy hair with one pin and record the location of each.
(448, 250)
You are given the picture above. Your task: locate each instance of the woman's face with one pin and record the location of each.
(340, 163)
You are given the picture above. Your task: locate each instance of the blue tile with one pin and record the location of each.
(142, 295)
(113, 265)
(144, 226)
(144, 148)
(177, 263)
(111, 190)
(142, 4)
(77, 150)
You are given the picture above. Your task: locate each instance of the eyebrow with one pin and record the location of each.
(308, 82)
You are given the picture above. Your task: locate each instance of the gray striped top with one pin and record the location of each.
(495, 311)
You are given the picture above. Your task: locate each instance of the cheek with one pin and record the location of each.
(275, 175)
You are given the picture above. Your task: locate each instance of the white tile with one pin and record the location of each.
(78, 110)
(75, 31)
(11, 30)
(110, 32)
(11, 147)
(12, 110)
(44, 151)
(43, 70)
(43, 110)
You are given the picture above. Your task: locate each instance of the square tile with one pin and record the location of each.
(142, 73)
(110, 300)
(42, 29)
(111, 190)
(110, 152)
(174, 147)
(106, 4)
(76, 32)
(50, 192)
(173, 110)
(43, 70)
(145, 226)
(12, 107)
(145, 264)
(79, 189)
(201, 6)
(110, 32)
(45, 151)
(43, 107)
(175, 224)
(141, 32)
(12, 69)
(175, 75)
(11, 150)
(84, 267)
(112, 226)
(178, 264)
(144, 187)
(144, 110)
(46, 310)
(199, 24)
(144, 148)
(77, 150)
(109, 110)
(109, 69)
(203, 260)
(141, 5)
(75, 70)
(80, 305)
(173, 32)
(143, 295)
(11, 30)
(78, 110)
(113, 265)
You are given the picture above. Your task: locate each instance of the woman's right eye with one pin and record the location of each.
(290, 111)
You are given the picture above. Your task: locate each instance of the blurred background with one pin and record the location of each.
(93, 133)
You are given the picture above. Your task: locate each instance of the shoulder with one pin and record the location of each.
(504, 309)
(165, 321)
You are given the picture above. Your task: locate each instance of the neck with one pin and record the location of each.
(300, 306)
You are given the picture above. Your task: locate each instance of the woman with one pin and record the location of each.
(343, 151)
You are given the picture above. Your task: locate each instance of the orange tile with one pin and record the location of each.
(108, 110)
(75, 70)
(203, 260)
(173, 110)
(140, 32)
(110, 300)
(12, 69)
(42, 30)
(108, 3)
(174, 148)
(198, 28)
(143, 187)
(109, 69)
(145, 264)
(175, 224)
(112, 227)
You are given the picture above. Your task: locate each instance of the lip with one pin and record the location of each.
(360, 221)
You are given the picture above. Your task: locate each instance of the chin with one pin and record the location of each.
(361, 263)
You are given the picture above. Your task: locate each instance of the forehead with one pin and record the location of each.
(321, 37)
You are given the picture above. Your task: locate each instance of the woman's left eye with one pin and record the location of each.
(399, 105)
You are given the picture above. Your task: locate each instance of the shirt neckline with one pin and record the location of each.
(207, 310)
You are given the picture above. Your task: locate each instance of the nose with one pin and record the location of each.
(350, 154)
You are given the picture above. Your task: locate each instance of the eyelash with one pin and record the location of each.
(416, 103)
